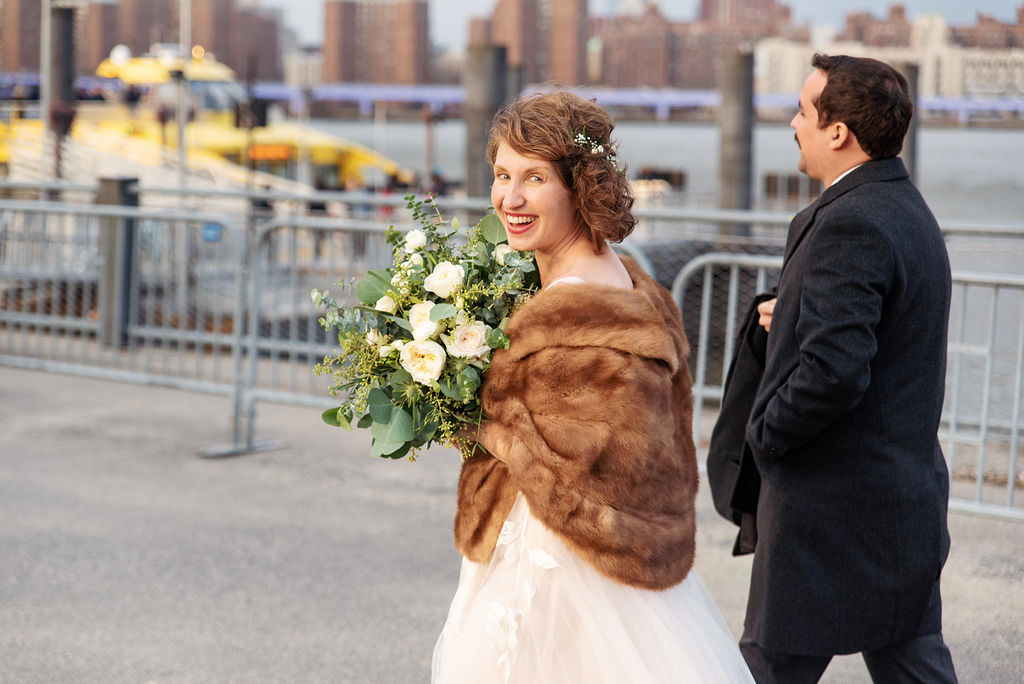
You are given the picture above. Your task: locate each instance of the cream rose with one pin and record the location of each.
(501, 251)
(415, 239)
(419, 318)
(386, 304)
(424, 359)
(468, 341)
(445, 279)
(420, 313)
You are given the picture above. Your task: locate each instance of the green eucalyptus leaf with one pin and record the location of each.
(439, 312)
(497, 338)
(449, 390)
(375, 285)
(456, 224)
(427, 432)
(397, 430)
(382, 449)
(365, 422)
(337, 418)
(402, 322)
(492, 229)
(400, 452)
(379, 405)
(400, 377)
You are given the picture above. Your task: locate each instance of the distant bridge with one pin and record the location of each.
(437, 97)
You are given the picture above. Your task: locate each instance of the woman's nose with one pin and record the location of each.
(514, 196)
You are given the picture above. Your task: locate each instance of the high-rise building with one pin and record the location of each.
(213, 28)
(737, 12)
(376, 41)
(339, 51)
(142, 23)
(19, 49)
(513, 24)
(255, 53)
(567, 34)
(97, 34)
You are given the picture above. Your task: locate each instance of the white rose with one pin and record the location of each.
(415, 239)
(424, 360)
(424, 331)
(445, 279)
(397, 345)
(419, 318)
(387, 304)
(416, 259)
(420, 314)
(468, 341)
(501, 251)
(372, 338)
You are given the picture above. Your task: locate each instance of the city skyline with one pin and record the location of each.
(449, 19)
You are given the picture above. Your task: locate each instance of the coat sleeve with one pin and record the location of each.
(849, 272)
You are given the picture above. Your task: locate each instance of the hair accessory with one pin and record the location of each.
(594, 147)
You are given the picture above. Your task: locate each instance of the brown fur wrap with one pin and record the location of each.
(597, 394)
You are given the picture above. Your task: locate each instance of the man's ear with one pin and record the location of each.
(840, 135)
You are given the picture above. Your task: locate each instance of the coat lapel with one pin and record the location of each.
(869, 172)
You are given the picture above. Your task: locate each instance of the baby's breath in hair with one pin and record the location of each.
(595, 147)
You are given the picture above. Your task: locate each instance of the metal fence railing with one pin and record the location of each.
(982, 422)
(202, 302)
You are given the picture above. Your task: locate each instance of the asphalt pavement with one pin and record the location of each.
(125, 556)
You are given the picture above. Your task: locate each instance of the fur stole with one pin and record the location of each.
(597, 394)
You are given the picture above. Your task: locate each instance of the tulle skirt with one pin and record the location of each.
(537, 613)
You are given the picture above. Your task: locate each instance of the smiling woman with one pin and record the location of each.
(576, 522)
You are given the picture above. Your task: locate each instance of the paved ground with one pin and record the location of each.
(124, 557)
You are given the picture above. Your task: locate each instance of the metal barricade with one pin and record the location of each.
(191, 301)
(982, 422)
(122, 293)
(292, 256)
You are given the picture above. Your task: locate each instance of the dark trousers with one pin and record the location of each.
(922, 660)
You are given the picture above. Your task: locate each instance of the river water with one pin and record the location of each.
(965, 174)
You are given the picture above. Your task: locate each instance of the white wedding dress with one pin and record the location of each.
(537, 613)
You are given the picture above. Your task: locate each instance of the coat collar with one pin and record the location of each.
(877, 170)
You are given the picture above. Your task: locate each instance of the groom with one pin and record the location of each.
(851, 514)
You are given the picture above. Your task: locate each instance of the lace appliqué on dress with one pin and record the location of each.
(505, 620)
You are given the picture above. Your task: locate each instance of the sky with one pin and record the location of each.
(449, 18)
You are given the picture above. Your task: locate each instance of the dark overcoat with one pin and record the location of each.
(851, 517)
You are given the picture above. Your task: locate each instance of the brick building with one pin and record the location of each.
(566, 33)
(97, 34)
(381, 41)
(992, 34)
(643, 49)
(19, 49)
(863, 27)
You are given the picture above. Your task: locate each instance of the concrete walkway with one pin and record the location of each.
(124, 557)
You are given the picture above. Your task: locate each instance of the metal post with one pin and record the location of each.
(45, 68)
(736, 117)
(910, 71)
(485, 80)
(117, 236)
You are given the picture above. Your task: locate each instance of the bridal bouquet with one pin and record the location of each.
(413, 353)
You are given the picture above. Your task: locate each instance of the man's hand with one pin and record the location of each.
(765, 309)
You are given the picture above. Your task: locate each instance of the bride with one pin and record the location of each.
(577, 526)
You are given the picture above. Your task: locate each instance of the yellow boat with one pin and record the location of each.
(140, 107)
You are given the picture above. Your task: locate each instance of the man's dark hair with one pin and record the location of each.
(870, 97)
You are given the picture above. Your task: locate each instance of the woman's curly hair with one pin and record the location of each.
(545, 125)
